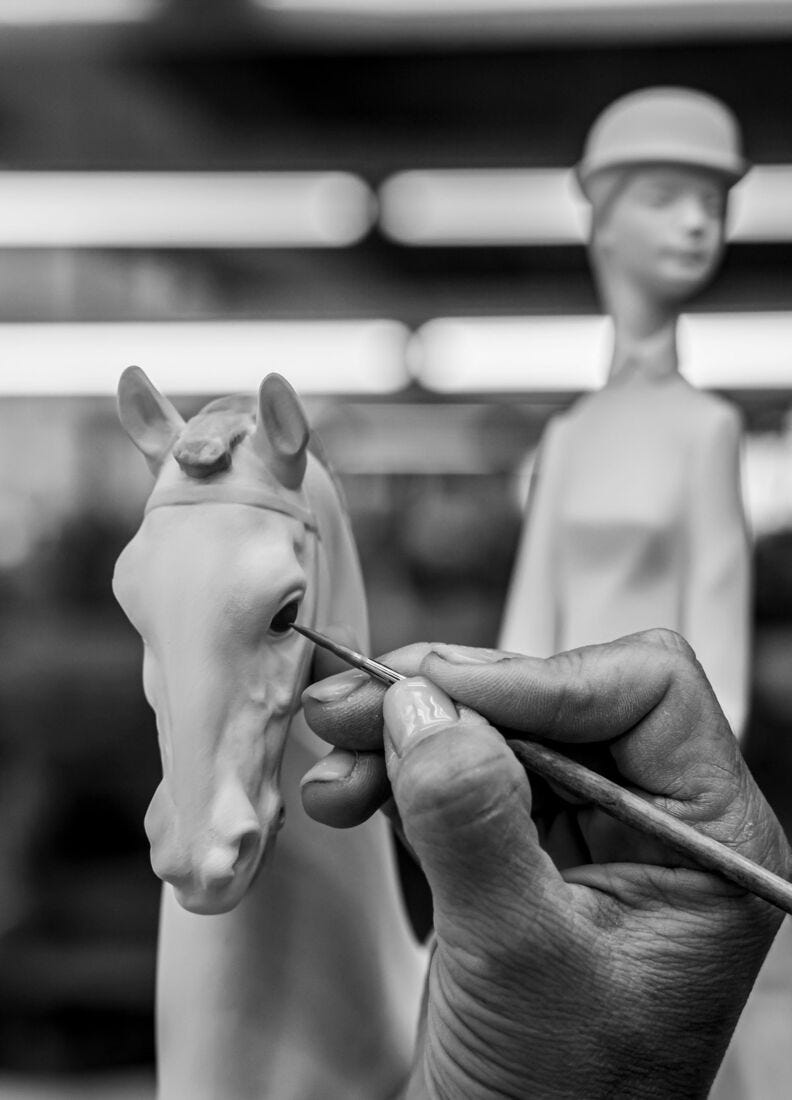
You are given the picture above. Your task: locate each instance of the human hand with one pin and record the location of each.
(573, 957)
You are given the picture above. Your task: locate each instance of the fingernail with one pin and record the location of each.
(456, 656)
(336, 688)
(339, 764)
(413, 709)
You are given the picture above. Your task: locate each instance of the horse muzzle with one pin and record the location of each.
(210, 868)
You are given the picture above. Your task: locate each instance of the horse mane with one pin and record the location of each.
(208, 438)
(317, 449)
(207, 441)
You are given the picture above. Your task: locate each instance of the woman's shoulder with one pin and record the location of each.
(676, 401)
(693, 419)
(685, 402)
(710, 412)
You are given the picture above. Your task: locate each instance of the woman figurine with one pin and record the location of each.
(635, 517)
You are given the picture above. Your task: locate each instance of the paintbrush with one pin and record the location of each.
(609, 797)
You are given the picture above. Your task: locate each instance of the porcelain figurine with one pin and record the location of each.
(635, 517)
(300, 978)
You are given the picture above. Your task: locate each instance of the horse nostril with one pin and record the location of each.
(248, 849)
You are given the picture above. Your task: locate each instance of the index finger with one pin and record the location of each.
(346, 710)
(647, 699)
(595, 694)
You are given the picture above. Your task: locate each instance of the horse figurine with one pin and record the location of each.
(302, 982)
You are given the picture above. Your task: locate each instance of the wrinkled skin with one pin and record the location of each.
(573, 957)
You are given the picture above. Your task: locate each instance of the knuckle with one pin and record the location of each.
(673, 643)
(681, 666)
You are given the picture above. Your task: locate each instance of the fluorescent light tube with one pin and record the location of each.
(204, 357)
(571, 353)
(543, 206)
(182, 209)
(412, 8)
(42, 12)
(506, 206)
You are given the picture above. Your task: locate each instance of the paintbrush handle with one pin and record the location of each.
(646, 818)
(611, 798)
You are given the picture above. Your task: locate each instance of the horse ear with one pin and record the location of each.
(282, 432)
(148, 418)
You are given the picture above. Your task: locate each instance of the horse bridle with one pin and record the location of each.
(252, 497)
(196, 493)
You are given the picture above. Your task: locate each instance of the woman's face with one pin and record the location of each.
(664, 229)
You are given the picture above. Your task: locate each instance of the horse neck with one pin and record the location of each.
(341, 594)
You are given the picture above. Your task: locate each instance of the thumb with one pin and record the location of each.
(465, 806)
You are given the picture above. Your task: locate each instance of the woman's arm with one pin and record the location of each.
(716, 615)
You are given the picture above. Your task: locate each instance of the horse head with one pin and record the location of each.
(228, 555)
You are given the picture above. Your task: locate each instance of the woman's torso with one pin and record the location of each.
(627, 454)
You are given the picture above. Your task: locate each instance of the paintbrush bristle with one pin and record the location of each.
(374, 668)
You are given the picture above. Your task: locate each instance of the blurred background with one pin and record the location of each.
(372, 197)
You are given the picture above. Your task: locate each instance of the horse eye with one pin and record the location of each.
(285, 617)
